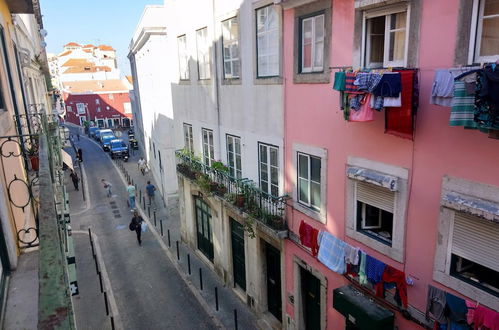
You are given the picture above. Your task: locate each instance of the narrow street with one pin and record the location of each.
(148, 291)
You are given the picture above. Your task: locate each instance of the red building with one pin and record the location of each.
(105, 102)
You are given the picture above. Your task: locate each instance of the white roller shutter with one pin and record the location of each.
(376, 196)
(476, 239)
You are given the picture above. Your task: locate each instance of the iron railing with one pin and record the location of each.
(242, 193)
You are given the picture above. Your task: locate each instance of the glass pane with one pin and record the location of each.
(274, 176)
(238, 145)
(235, 68)
(315, 194)
(397, 46)
(319, 52)
(272, 18)
(372, 214)
(228, 69)
(491, 7)
(302, 166)
(319, 27)
(264, 185)
(398, 20)
(315, 169)
(307, 43)
(263, 171)
(376, 28)
(273, 156)
(263, 154)
(231, 159)
(490, 37)
(274, 190)
(230, 146)
(238, 162)
(303, 190)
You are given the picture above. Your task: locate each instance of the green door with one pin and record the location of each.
(238, 257)
(203, 226)
(311, 293)
(273, 257)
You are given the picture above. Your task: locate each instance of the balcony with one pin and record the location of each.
(242, 194)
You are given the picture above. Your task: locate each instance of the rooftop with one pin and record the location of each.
(78, 62)
(72, 44)
(86, 69)
(95, 86)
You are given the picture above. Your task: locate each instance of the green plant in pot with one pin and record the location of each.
(31, 150)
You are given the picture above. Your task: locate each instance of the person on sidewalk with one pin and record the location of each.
(141, 164)
(108, 187)
(151, 189)
(80, 155)
(136, 225)
(75, 179)
(131, 195)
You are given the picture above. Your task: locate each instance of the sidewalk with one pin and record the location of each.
(227, 299)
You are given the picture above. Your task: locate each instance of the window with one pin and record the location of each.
(7, 69)
(230, 42)
(375, 211)
(188, 139)
(312, 43)
(69, 108)
(386, 35)
(111, 97)
(234, 156)
(97, 101)
(183, 57)
(267, 41)
(80, 108)
(487, 32)
(127, 106)
(269, 169)
(203, 51)
(309, 181)
(98, 109)
(208, 148)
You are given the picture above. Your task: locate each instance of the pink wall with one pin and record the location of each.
(313, 117)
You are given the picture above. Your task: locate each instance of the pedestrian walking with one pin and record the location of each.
(80, 155)
(78, 136)
(131, 195)
(151, 189)
(108, 187)
(141, 164)
(75, 179)
(136, 224)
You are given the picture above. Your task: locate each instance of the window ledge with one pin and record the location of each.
(204, 81)
(316, 215)
(231, 81)
(322, 77)
(367, 4)
(275, 80)
(479, 207)
(373, 177)
(184, 82)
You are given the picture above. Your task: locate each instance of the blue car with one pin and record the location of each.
(106, 141)
(119, 149)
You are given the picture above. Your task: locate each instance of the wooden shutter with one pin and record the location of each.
(376, 196)
(476, 239)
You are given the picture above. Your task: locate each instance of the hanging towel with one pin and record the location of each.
(471, 310)
(349, 86)
(339, 81)
(486, 318)
(392, 101)
(374, 269)
(443, 88)
(456, 309)
(362, 268)
(399, 121)
(435, 304)
(397, 277)
(308, 237)
(365, 113)
(389, 85)
(351, 254)
(332, 252)
(463, 107)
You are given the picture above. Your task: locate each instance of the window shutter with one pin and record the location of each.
(376, 196)
(476, 239)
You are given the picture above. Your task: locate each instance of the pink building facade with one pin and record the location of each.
(446, 177)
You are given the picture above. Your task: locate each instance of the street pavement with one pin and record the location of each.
(143, 285)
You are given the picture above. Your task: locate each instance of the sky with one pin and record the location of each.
(110, 22)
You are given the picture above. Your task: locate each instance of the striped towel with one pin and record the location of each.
(463, 107)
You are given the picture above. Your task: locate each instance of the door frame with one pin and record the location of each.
(82, 118)
(298, 296)
(265, 278)
(231, 220)
(204, 253)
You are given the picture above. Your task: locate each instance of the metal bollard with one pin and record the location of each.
(235, 318)
(140, 194)
(149, 212)
(200, 278)
(216, 298)
(178, 253)
(96, 265)
(105, 301)
(154, 213)
(169, 242)
(161, 225)
(112, 323)
(189, 263)
(100, 281)
(144, 202)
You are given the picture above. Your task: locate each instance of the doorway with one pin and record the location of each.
(82, 120)
(126, 122)
(238, 254)
(311, 296)
(116, 122)
(274, 301)
(203, 227)
(109, 123)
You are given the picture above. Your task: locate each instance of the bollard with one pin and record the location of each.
(149, 212)
(90, 235)
(144, 202)
(189, 263)
(216, 298)
(169, 242)
(235, 318)
(92, 246)
(161, 225)
(100, 281)
(112, 323)
(96, 266)
(140, 194)
(200, 278)
(105, 302)
(154, 213)
(178, 254)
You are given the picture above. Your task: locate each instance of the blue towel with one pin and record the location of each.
(332, 252)
(374, 269)
(456, 308)
(390, 85)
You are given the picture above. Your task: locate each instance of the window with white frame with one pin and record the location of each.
(486, 41)
(269, 168)
(97, 101)
(188, 138)
(68, 107)
(208, 147)
(80, 108)
(230, 49)
(111, 96)
(127, 106)
(267, 41)
(374, 211)
(309, 181)
(98, 109)
(203, 53)
(183, 57)
(385, 37)
(312, 43)
(234, 156)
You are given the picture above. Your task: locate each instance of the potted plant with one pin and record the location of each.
(32, 153)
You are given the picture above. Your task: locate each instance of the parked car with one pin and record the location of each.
(99, 133)
(106, 141)
(92, 130)
(119, 149)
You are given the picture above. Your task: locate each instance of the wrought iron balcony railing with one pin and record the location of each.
(241, 193)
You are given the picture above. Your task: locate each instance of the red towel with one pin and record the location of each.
(399, 121)
(308, 237)
(485, 317)
(392, 275)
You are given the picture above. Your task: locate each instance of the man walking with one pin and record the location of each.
(151, 189)
(131, 195)
(75, 179)
(108, 187)
(141, 164)
(136, 225)
(80, 155)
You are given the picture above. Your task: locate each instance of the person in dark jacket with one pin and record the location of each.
(136, 224)
(80, 155)
(75, 179)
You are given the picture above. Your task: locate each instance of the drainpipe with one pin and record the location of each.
(217, 87)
